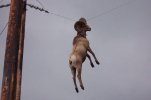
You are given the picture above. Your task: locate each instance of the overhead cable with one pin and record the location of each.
(3, 29)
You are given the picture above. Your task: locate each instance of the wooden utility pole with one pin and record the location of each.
(20, 51)
(11, 83)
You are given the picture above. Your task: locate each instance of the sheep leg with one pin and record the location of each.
(96, 60)
(92, 65)
(73, 70)
(79, 70)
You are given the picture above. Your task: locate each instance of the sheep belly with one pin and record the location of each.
(80, 49)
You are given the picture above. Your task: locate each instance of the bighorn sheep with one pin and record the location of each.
(79, 51)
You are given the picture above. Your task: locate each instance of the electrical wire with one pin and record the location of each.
(37, 8)
(3, 29)
(58, 15)
(62, 16)
(106, 12)
(46, 11)
(71, 19)
(6, 5)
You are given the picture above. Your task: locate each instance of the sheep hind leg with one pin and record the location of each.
(79, 70)
(73, 70)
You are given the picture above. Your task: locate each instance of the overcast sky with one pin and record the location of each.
(120, 39)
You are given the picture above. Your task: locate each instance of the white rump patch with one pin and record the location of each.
(73, 59)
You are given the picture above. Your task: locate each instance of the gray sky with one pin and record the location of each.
(120, 39)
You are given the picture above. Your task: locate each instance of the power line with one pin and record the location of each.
(46, 11)
(37, 8)
(58, 15)
(30, 5)
(42, 9)
(6, 5)
(99, 15)
(71, 19)
(3, 29)
(62, 16)
(106, 12)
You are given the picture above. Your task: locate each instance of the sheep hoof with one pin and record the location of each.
(77, 90)
(97, 62)
(82, 87)
(92, 65)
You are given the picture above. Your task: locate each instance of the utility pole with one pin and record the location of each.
(20, 51)
(11, 83)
